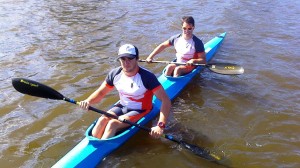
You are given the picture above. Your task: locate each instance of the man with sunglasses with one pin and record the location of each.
(189, 49)
(136, 87)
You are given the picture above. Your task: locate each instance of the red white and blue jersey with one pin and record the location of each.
(186, 49)
(136, 92)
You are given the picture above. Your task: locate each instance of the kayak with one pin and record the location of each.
(91, 151)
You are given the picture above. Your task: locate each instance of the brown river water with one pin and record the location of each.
(252, 119)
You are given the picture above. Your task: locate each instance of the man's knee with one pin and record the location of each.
(113, 124)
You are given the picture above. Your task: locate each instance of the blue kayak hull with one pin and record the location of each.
(91, 151)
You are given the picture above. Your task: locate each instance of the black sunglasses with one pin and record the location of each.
(184, 28)
(124, 58)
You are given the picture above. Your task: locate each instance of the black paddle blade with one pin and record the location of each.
(34, 88)
(200, 152)
(226, 68)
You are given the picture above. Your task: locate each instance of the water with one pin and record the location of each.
(252, 119)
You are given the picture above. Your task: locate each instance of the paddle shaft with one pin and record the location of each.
(109, 115)
(169, 137)
(220, 68)
(177, 63)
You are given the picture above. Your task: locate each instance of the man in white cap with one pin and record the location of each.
(136, 87)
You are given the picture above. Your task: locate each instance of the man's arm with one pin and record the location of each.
(96, 96)
(158, 49)
(160, 93)
(200, 59)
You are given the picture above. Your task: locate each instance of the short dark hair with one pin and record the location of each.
(188, 20)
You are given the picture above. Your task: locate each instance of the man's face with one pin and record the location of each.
(128, 64)
(187, 29)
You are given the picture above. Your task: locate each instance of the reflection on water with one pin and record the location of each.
(252, 119)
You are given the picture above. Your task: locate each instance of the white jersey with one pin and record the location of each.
(186, 49)
(136, 92)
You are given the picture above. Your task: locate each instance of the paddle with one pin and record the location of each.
(220, 68)
(34, 88)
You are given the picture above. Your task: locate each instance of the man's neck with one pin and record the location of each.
(187, 37)
(132, 73)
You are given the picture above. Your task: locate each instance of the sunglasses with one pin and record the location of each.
(184, 28)
(124, 58)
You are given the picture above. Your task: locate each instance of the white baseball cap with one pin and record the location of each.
(128, 50)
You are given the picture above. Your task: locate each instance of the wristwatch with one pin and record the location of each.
(161, 125)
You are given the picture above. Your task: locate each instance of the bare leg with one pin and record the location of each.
(100, 126)
(169, 70)
(181, 70)
(112, 127)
